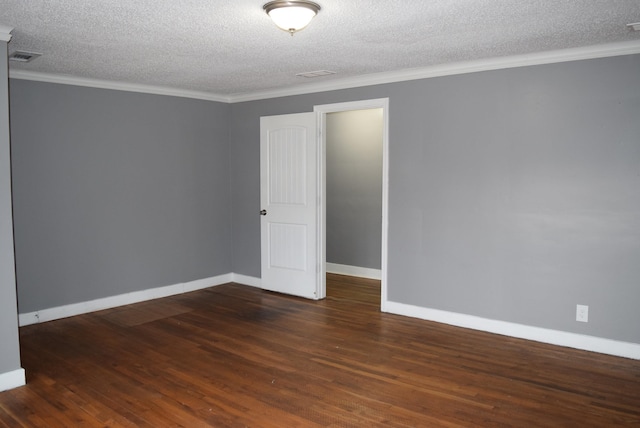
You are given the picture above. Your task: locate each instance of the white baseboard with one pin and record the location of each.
(573, 340)
(354, 271)
(51, 314)
(13, 379)
(538, 334)
(246, 280)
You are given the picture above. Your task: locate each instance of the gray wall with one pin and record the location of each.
(354, 187)
(116, 192)
(514, 194)
(9, 345)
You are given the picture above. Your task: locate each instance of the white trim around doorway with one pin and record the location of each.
(321, 112)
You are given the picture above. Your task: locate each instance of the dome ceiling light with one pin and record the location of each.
(291, 16)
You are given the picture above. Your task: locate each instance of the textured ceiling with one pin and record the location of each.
(231, 47)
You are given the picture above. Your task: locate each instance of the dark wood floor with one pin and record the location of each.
(238, 356)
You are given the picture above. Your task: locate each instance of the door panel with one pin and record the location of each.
(288, 197)
(285, 240)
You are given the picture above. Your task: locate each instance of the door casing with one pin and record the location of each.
(321, 112)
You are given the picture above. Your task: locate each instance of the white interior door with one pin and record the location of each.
(289, 202)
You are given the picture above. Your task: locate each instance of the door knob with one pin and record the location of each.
(263, 212)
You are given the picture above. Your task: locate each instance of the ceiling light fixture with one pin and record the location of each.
(291, 16)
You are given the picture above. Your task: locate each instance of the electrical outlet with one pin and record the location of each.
(582, 313)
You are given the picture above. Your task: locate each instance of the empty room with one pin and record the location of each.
(330, 213)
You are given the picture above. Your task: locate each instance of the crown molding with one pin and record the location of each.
(549, 57)
(5, 33)
(65, 79)
(539, 58)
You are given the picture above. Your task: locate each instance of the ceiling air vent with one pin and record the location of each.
(23, 56)
(318, 73)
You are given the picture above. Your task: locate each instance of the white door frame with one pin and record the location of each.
(321, 112)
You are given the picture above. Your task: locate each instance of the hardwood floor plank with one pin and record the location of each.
(236, 356)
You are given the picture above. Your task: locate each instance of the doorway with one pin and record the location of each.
(293, 176)
(353, 218)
